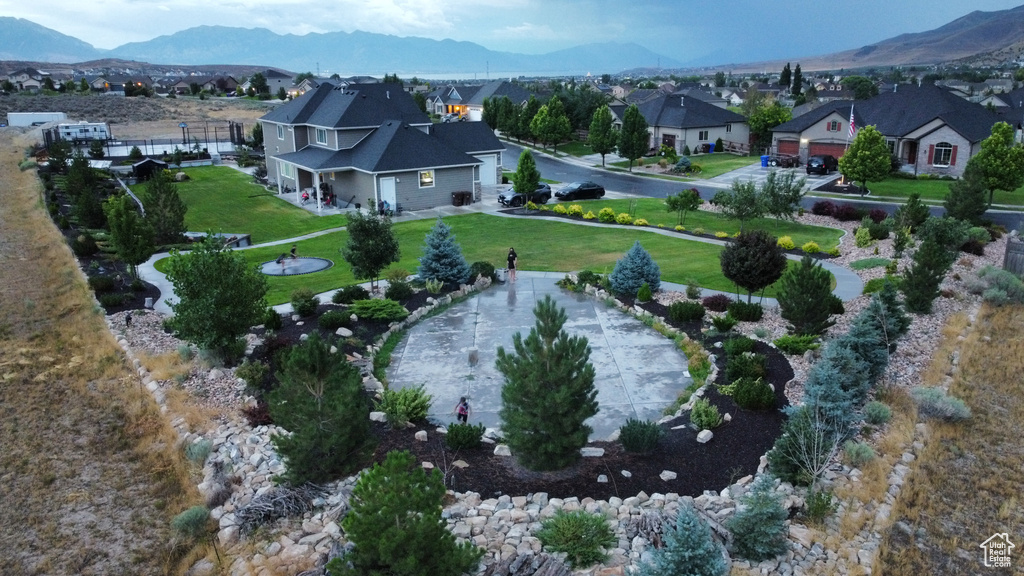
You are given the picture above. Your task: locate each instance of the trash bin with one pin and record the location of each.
(764, 161)
(456, 198)
(711, 148)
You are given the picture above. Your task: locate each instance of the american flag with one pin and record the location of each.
(853, 127)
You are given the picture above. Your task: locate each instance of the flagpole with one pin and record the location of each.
(849, 131)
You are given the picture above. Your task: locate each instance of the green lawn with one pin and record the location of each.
(222, 199)
(541, 245)
(653, 210)
(711, 164)
(934, 191)
(575, 148)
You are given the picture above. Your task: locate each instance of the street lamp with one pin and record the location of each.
(184, 142)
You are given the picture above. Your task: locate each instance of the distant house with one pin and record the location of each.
(684, 120)
(468, 100)
(371, 143)
(928, 128)
(277, 80)
(27, 79)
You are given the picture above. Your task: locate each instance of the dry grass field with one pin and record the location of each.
(90, 474)
(966, 485)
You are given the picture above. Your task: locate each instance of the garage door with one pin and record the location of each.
(489, 170)
(836, 150)
(791, 147)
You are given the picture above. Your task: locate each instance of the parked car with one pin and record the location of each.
(453, 117)
(580, 191)
(784, 161)
(514, 199)
(822, 164)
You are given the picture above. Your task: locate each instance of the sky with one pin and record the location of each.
(685, 30)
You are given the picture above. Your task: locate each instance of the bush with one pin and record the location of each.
(874, 285)
(811, 248)
(858, 453)
(846, 213)
(688, 549)
(191, 523)
(624, 218)
(589, 215)
(334, 319)
(823, 208)
(862, 237)
(717, 302)
(633, 269)
(644, 293)
(575, 210)
(704, 415)
(588, 277)
(381, 310)
(934, 403)
(880, 230)
(271, 319)
(876, 413)
(724, 323)
(786, 243)
(350, 294)
(606, 215)
(759, 528)
(111, 300)
(404, 405)
(796, 345)
(641, 222)
(692, 289)
(258, 415)
(84, 245)
(746, 312)
(640, 436)
(753, 394)
(979, 234)
(198, 452)
(877, 215)
(482, 268)
(254, 373)
(685, 311)
(560, 209)
(737, 345)
(398, 291)
(100, 284)
(973, 247)
(580, 535)
(868, 263)
(464, 436)
(434, 286)
(747, 365)
(304, 303)
(820, 504)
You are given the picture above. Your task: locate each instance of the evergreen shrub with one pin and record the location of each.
(753, 394)
(704, 415)
(624, 218)
(688, 549)
(633, 269)
(737, 345)
(606, 215)
(640, 436)
(858, 453)
(100, 284)
(796, 345)
(482, 268)
(271, 319)
(746, 311)
(442, 256)
(382, 310)
(934, 403)
(644, 293)
(580, 535)
(724, 323)
(747, 365)
(404, 405)
(876, 413)
(462, 436)
(759, 529)
(303, 302)
(334, 319)
(350, 294)
(399, 291)
(192, 523)
(786, 243)
(811, 248)
(692, 289)
(685, 311)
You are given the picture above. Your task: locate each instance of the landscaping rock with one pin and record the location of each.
(667, 475)
(502, 450)
(589, 452)
(378, 417)
(705, 436)
(421, 435)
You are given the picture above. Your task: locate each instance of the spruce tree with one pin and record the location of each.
(320, 401)
(548, 393)
(866, 338)
(633, 269)
(754, 261)
(759, 528)
(912, 214)
(396, 526)
(889, 297)
(836, 386)
(688, 549)
(805, 298)
(442, 257)
(921, 281)
(165, 210)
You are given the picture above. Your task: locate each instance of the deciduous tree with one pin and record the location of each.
(742, 202)
(868, 158)
(130, 234)
(780, 194)
(764, 118)
(548, 393)
(165, 210)
(634, 141)
(1000, 162)
(371, 247)
(220, 296)
(527, 175)
(602, 138)
(682, 202)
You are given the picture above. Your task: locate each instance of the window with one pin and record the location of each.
(833, 126)
(702, 135)
(321, 136)
(287, 170)
(280, 132)
(426, 178)
(892, 146)
(728, 128)
(943, 154)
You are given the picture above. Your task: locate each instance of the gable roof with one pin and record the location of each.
(393, 147)
(684, 111)
(467, 137)
(357, 106)
(905, 110)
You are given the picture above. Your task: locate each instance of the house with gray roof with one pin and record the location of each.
(684, 120)
(467, 100)
(369, 143)
(929, 129)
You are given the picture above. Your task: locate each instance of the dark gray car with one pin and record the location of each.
(822, 164)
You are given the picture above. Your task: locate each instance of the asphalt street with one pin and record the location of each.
(570, 171)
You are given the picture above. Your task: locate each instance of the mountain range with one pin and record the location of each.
(977, 38)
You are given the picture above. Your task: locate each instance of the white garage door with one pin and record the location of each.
(489, 170)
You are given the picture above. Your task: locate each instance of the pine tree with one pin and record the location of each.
(320, 401)
(548, 392)
(165, 210)
(889, 297)
(759, 528)
(396, 526)
(688, 549)
(805, 298)
(798, 81)
(753, 261)
(921, 281)
(966, 198)
(912, 214)
(633, 269)
(442, 257)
